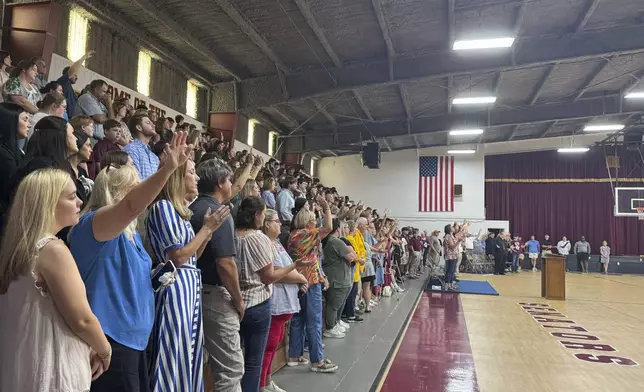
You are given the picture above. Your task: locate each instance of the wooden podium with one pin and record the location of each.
(553, 277)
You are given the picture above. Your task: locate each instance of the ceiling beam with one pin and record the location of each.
(107, 14)
(448, 93)
(585, 17)
(518, 23)
(586, 84)
(268, 120)
(386, 141)
(248, 29)
(548, 129)
(322, 109)
(542, 83)
(266, 90)
(637, 79)
(513, 132)
(384, 29)
(283, 112)
(404, 98)
(583, 109)
(364, 107)
(451, 22)
(151, 9)
(306, 12)
(416, 141)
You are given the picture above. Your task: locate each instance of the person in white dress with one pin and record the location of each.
(50, 339)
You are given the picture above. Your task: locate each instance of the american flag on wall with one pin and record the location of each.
(436, 184)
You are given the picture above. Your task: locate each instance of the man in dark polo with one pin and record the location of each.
(223, 306)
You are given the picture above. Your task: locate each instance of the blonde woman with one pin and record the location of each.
(116, 268)
(51, 341)
(304, 244)
(177, 336)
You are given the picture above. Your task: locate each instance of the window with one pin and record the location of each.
(272, 141)
(143, 75)
(191, 99)
(77, 35)
(313, 163)
(251, 131)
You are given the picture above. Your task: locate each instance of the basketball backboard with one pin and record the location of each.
(627, 200)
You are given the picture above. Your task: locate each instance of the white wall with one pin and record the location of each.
(395, 186)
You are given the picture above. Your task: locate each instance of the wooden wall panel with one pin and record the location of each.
(168, 86)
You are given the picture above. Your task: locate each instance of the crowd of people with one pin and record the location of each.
(512, 250)
(134, 249)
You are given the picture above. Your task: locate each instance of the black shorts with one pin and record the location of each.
(583, 256)
(368, 279)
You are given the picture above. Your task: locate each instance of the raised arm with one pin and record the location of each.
(73, 69)
(111, 220)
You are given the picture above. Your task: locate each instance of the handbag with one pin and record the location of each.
(163, 276)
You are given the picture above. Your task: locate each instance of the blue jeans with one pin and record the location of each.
(515, 262)
(308, 322)
(450, 271)
(254, 329)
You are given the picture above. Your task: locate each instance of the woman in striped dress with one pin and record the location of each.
(177, 336)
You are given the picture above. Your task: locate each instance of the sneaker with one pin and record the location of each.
(333, 333)
(341, 329)
(356, 319)
(344, 324)
(299, 362)
(534, 269)
(325, 367)
(272, 387)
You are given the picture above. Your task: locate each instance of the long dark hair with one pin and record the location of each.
(50, 141)
(248, 209)
(9, 117)
(448, 229)
(81, 139)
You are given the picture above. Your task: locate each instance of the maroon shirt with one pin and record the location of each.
(416, 243)
(101, 148)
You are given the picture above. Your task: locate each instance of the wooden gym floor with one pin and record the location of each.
(517, 341)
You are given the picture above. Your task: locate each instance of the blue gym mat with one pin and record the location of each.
(471, 287)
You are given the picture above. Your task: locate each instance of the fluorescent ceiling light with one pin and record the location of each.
(604, 127)
(574, 150)
(461, 151)
(504, 42)
(636, 95)
(465, 132)
(473, 100)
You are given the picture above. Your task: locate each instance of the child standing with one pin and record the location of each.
(604, 256)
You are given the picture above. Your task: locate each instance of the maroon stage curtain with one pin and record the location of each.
(560, 208)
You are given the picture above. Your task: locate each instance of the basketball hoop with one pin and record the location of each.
(640, 213)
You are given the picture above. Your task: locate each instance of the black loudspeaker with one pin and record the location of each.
(633, 137)
(371, 155)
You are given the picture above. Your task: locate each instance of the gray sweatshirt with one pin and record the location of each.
(582, 247)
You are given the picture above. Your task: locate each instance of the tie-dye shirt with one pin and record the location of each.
(305, 244)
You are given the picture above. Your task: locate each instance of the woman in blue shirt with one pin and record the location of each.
(116, 268)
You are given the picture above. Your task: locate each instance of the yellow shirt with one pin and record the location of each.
(358, 245)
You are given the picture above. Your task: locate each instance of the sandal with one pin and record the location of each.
(300, 361)
(325, 367)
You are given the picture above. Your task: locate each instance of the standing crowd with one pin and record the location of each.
(136, 249)
(511, 250)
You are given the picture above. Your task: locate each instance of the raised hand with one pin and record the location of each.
(177, 152)
(214, 220)
(250, 159)
(322, 202)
